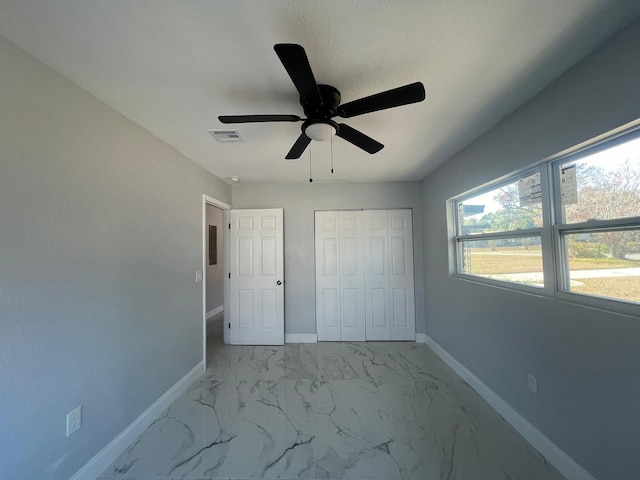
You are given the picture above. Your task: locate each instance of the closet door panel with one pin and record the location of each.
(328, 296)
(352, 326)
(401, 287)
(376, 265)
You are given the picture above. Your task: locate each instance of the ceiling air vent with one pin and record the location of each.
(226, 136)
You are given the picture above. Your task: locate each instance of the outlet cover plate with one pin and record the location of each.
(74, 420)
(533, 384)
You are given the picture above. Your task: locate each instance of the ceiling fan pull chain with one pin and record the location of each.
(310, 176)
(331, 153)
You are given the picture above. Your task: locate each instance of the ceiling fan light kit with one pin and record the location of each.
(320, 131)
(321, 103)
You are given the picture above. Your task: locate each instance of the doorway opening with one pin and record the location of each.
(214, 256)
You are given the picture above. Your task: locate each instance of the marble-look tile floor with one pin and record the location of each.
(330, 411)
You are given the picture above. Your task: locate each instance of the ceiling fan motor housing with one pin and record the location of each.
(320, 114)
(327, 108)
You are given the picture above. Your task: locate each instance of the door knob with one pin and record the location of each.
(278, 282)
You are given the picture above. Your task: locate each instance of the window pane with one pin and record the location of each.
(516, 260)
(606, 264)
(602, 186)
(513, 206)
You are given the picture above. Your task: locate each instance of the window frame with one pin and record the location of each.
(562, 229)
(507, 234)
(553, 233)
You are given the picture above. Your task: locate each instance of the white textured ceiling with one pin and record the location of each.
(174, 66)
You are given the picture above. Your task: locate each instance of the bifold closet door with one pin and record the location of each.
(389, 292)
(376, 277)
(364, 275)
(401, 289)
(327, 276)
(352, 312)
(340, 310)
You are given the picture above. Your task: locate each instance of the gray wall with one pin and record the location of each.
(100, 239)
(299, 203)
(215, 272)
(586, 360)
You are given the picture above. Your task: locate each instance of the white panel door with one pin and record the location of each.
(401, 290)
(256, 285)
(327, 240)
(376, 275)
(352, 311)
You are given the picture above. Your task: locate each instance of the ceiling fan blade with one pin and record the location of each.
(299, 147)
(358, 138)
(396, 97)
(258, 118)
(296, 63)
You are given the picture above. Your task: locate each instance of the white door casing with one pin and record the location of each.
(256, 284)
(207, 200)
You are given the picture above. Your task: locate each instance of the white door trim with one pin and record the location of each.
(207, 200)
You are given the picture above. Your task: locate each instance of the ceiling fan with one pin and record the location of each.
(321, 103)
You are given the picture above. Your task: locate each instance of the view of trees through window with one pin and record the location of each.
(510, 258)
(500, 211)
(602, 259)
(605, 262)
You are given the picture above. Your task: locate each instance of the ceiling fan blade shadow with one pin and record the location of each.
(258, 118)
(359, 139)
(299, 147)
(296, 63)
(396, 97)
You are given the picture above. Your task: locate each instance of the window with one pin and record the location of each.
(598, 212)
(570, 228)
(593, 269)
(500, 232)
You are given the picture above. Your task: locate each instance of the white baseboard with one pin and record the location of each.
(215, 311)
(558, 458)
(421, 338)
(103, 459)
(300, 338)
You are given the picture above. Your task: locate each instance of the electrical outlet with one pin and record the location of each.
(199, 276)
(533, 384)
(74, 420)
